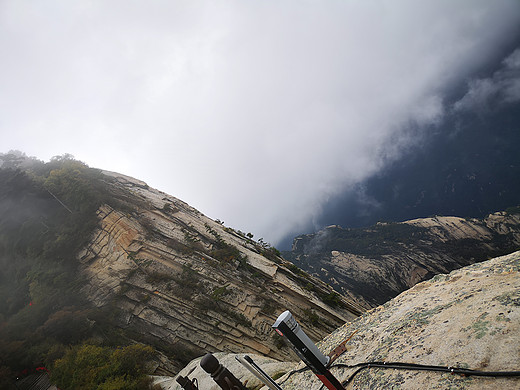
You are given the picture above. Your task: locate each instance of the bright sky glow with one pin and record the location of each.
(255, 113)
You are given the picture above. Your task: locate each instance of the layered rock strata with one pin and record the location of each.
(375, 264)
(469, 318)
(188, 285)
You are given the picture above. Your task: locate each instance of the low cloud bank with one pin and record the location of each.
(255, 113)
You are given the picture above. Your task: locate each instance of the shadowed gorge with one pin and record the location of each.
(381, 261)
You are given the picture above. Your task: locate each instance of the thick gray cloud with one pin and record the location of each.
(253, 112)
(503, 87)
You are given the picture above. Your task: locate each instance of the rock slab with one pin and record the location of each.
(469, 318)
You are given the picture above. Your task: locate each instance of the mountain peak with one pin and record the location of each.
(179, 278)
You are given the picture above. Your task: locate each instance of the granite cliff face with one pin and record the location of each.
(375, 264)
(469, 318)
(188, 285)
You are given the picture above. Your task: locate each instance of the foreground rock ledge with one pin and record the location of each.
(469, 318)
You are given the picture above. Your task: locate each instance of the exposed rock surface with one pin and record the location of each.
(375, 264)
(193, 371)
(469, 318)
(189, 285)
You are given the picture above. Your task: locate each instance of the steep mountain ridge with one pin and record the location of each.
(375, 264)
(162, 273)
(468, 319)
(469, 167)
(181, 280)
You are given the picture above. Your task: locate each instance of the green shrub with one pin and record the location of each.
(187, 283)
(332, 299)
(269, 306)
(220, 292)
(155, 277)
(178, 246)
(94, 367)
(296, 270)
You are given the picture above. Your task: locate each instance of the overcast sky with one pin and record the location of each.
(254, 112)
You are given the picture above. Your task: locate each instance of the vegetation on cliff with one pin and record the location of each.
(93, 367)
(92, 262)
(378, 262)
(171, 261)
(47, 213)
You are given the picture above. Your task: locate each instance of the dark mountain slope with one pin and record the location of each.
(468, 166)
(377, 263)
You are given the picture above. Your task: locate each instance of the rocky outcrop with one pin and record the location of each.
(375, 264)
(272, 367)
(189, 285)
(446, 229)
(469, 318)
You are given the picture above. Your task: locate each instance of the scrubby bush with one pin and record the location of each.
(332, 299)
(91, 367)
(47, 214)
